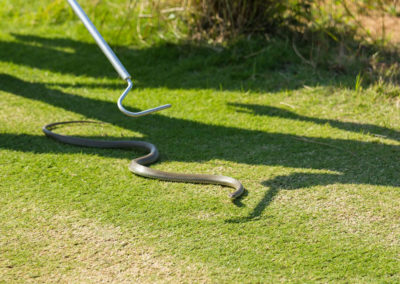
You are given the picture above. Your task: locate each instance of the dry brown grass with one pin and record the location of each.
(381, 27)
(70, 249)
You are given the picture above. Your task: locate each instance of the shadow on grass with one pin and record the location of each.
(348, 126)
(354, 162)
(290, 182)
(249, 65)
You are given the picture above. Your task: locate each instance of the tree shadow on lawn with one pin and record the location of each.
(271, 111)
(175, 66)
(353, 162)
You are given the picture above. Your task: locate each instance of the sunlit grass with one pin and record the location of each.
(318, 155)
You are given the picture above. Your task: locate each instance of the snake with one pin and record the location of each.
(139, 166)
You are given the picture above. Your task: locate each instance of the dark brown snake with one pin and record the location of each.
(138, 165)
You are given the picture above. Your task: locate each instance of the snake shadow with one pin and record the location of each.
(355, 162)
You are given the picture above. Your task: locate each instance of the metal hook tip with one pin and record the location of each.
(140, 113)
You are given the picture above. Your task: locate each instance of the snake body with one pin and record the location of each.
(139, 165)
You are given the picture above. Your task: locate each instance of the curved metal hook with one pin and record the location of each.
(140, 113)
(109, 53)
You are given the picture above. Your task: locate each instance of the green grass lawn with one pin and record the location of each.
(319, 161)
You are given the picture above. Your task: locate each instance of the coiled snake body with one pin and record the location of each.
(138, 165)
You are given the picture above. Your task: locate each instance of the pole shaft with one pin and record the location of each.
(100, 40)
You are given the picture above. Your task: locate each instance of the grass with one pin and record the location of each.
(318, 155)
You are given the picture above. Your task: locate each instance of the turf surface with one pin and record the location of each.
(319, 161)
